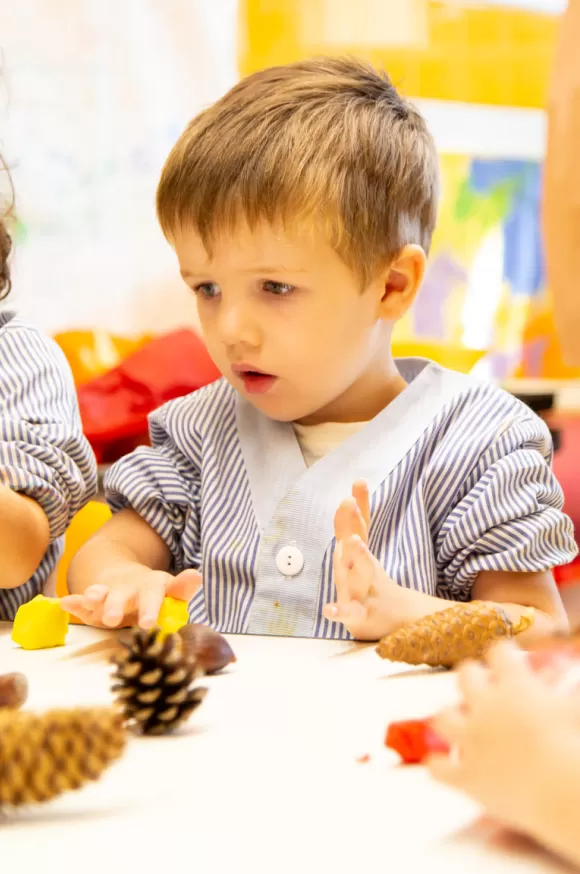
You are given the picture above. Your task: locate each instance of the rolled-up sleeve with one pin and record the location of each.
(162, 485)
(511, 517)
(43, 452)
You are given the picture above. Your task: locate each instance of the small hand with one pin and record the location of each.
(363, 589)
(513, 739)
(131, 597)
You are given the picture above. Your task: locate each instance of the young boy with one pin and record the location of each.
(301, 208)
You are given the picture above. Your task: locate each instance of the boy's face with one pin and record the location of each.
(286, 322)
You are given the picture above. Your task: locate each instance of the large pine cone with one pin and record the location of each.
(154, 682)
(443, 639)
(42, 756)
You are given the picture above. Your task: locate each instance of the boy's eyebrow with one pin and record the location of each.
(258, 268)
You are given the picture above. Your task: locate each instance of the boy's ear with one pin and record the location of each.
(402, 282)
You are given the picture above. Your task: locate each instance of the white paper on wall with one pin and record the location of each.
(95, 94)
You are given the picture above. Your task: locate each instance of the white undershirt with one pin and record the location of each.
(316, 441)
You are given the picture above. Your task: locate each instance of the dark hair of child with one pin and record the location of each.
(5, 241)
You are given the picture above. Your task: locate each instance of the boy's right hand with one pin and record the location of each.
(130, 596)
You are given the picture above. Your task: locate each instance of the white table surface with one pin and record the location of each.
(264, 778)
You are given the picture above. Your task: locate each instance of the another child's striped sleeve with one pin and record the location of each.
(43, 452)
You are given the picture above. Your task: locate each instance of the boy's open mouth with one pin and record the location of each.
(255, 381)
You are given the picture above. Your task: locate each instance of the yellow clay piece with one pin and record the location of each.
(172, 616)
(40, 624)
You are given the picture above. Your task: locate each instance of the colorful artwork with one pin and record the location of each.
(485, 287)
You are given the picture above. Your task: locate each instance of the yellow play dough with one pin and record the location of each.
(40, 624)
(173, 616)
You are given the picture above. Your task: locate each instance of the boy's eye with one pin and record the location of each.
(208, 290)
(278, 288)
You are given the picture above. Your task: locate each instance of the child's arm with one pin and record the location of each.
(122, 574)
(24, 537)
(513, 592)
(515, 744)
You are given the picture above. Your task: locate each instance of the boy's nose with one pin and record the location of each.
(237, 326)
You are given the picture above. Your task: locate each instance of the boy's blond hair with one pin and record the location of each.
(328, 141)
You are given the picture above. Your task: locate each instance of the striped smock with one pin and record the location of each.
(458, 471)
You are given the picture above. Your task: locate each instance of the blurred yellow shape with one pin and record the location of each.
(447, 355)
(172, 616)
(92, 353)
(86, 523)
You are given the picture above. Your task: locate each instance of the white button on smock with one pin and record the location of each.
(289, 561)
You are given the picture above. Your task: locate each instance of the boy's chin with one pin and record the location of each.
(278, 408)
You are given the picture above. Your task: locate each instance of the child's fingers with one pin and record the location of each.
(507, 662)
(97, 594)
(117, 604)
(352, 615)
(342, 520)
(75, 605)
(70, 603)
(331, 612)
(149, 606)
(81, 608)
(360, 493)
(343, 570)
(444, 769)
(340, 576)
(185, 585)
(348, 521)
(472, 680)
(359, 566)
(450, 724)
(357, 522)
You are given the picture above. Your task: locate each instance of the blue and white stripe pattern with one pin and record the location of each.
(43, 452)
(459, 474)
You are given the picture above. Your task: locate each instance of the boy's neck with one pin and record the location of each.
(365, 398)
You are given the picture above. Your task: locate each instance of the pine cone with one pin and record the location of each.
(42, 756)
(153, 682)
(443, 639)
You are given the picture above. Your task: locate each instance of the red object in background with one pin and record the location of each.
(114, 407)
(569, 573)
(566, 470)
(414, 740)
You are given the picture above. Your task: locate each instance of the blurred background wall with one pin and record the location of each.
(96, 91)
(94, 94)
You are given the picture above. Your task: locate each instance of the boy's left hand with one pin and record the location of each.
(364, 592)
